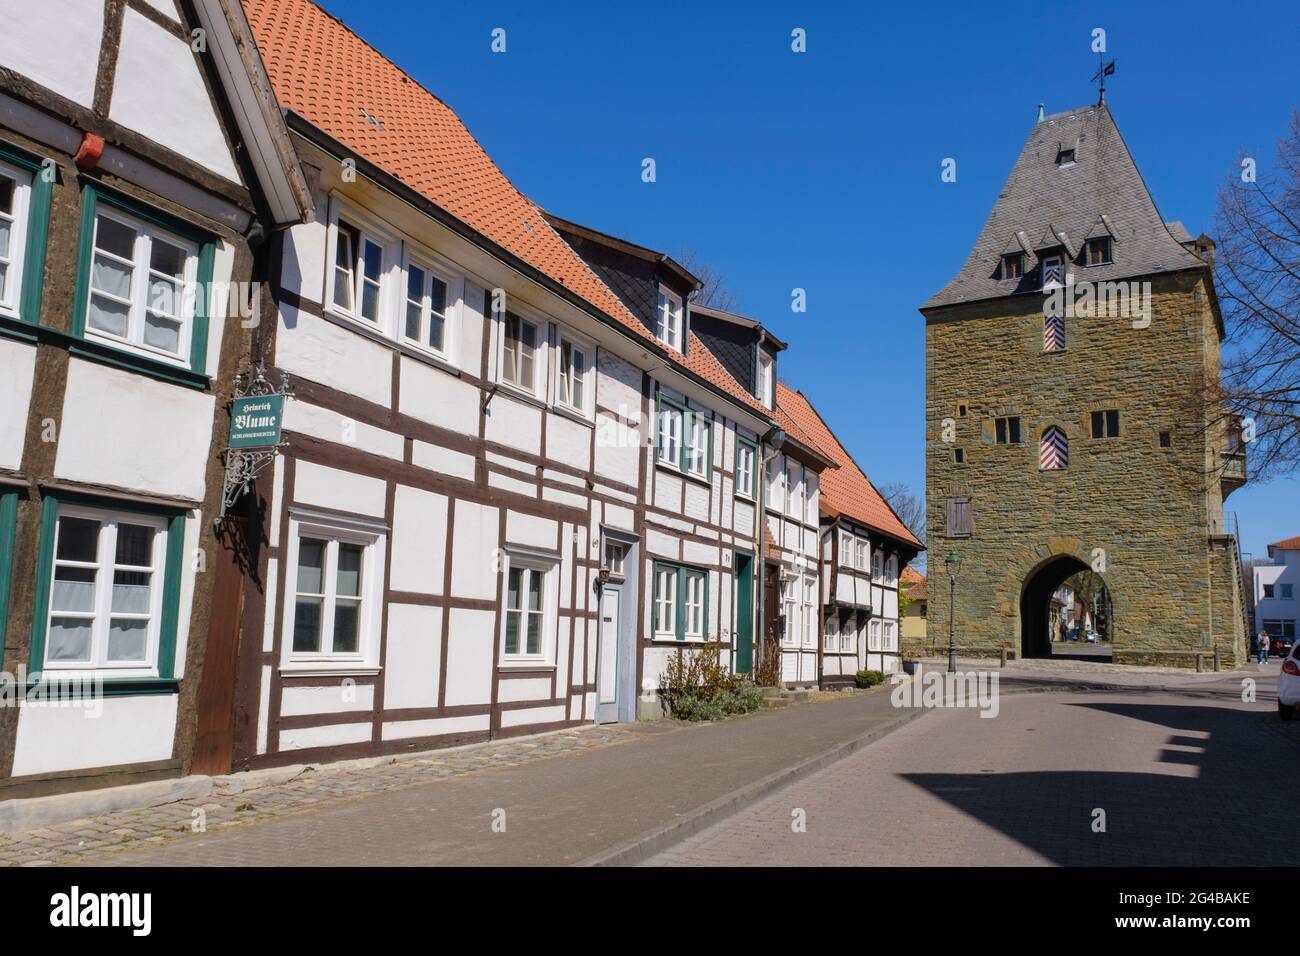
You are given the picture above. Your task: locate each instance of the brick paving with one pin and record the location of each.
(1184, 779)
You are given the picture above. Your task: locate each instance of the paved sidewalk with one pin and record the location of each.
(561, 797)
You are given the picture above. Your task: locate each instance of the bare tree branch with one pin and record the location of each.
(713, 292)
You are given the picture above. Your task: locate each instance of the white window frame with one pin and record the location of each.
(101, 616)
(831, 633)
(887, 630)
(372, 537)
(794, 499)
(774, 483)
(849, 636)
(697, 432)
(873, 636)
(541, 352)
(451, 311)
(811, 493)
(878, 567)
(669, 435)
(696, 610)
(891, 571)
(846, 549)
(862, 554)
(665, 602)
(810, 611)
(11, 297)
(614, 556)
(790, 606)
(585, 409)
(390, 266)
(744, 478)
(766, 378)
(548, 567)
(145, 234)
(669, 318)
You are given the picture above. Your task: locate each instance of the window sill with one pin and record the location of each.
(541, 667)
(669, 639)
(574, 414)
(329, 670)
(705, 481)
(111, 686)
(518, 392)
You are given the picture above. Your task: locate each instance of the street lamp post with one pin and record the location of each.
(953, 564)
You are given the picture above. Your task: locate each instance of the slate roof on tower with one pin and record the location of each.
(1044, 198)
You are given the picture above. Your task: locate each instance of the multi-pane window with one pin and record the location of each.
(809, 611)
(790, 609)
(572, 381)
(668, 319)
(1007, 430)
(519, 352)
(794, 482)
(1013, 265)
(891, 570)
(873, 636)
(811, 486)
(746, 455)
(861, 549)
(832, 633)
(877, 566)
(1105, 424)
(849, 635)
(666, 601)
(139, 276)
(846, 549)
(697, 444)
(525, 611)
(426, 308)
(614, 553)
(1098, 251)
(15, 198)
(774, 479)
(358, 272)
(670, 434)
(766, 391)
(681, 602)
(693, 604)
(887, 643)
(329, 596)
(105, 590)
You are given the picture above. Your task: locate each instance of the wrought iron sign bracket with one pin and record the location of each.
(244, 462)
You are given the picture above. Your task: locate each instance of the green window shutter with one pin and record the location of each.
(44, 574)
(8, 524)
(38, 231)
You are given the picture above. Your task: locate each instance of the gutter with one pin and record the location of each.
(400, 190)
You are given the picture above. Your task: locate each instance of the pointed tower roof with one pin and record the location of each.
(1052, 191)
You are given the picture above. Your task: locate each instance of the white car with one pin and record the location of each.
(1288, 684)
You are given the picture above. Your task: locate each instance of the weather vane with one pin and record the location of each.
(1103, 71)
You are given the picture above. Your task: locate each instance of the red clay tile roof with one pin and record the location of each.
(797, 431)
(327, 74)
(917, 584)
(845, 490)
(1287, 544)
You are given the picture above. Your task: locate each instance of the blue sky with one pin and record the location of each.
(821, 170)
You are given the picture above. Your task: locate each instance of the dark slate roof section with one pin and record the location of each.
(1040, 197)
(732, 344)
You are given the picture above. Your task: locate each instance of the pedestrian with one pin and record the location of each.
(1261, 646)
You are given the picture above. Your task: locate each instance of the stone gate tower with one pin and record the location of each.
(1070, 366)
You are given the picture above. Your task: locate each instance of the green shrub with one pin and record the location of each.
(690, 707)
(733, 694)
(866, 678)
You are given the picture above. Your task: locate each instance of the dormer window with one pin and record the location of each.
(1065, 156)
(1053, 272)
(668, 320)
(1013, 265)
(1098, 251)
(765, 369)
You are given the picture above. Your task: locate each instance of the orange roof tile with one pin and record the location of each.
(845, 490)
(327, 74)
(1287, 544)
(917, 583)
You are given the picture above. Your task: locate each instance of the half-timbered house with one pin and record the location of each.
(139, 166)
(862, 547)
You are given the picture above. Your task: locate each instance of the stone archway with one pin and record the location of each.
(1036, 611)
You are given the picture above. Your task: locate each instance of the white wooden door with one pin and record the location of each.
(607, 677)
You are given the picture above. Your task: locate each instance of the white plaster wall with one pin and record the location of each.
(17, 368)
(321, 351)
(303, 267)
(159, 91)
(618, 386)
(568, 442)
(131, 432)
(414, 656)
(335, 735)
(474, 568)
(223, 267)
(331, 426)
(532, 715)
(341, 490)
(525, 688)
(618, 450)
(439, 398)
(697, 501)
(130, 730)
(298, 701)
(439, 727)
(471, 647)
(54, 42)
(668, 491)
(444, 460)
(662, 545)
(419, 540)
(530, 530)
(514, 424)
